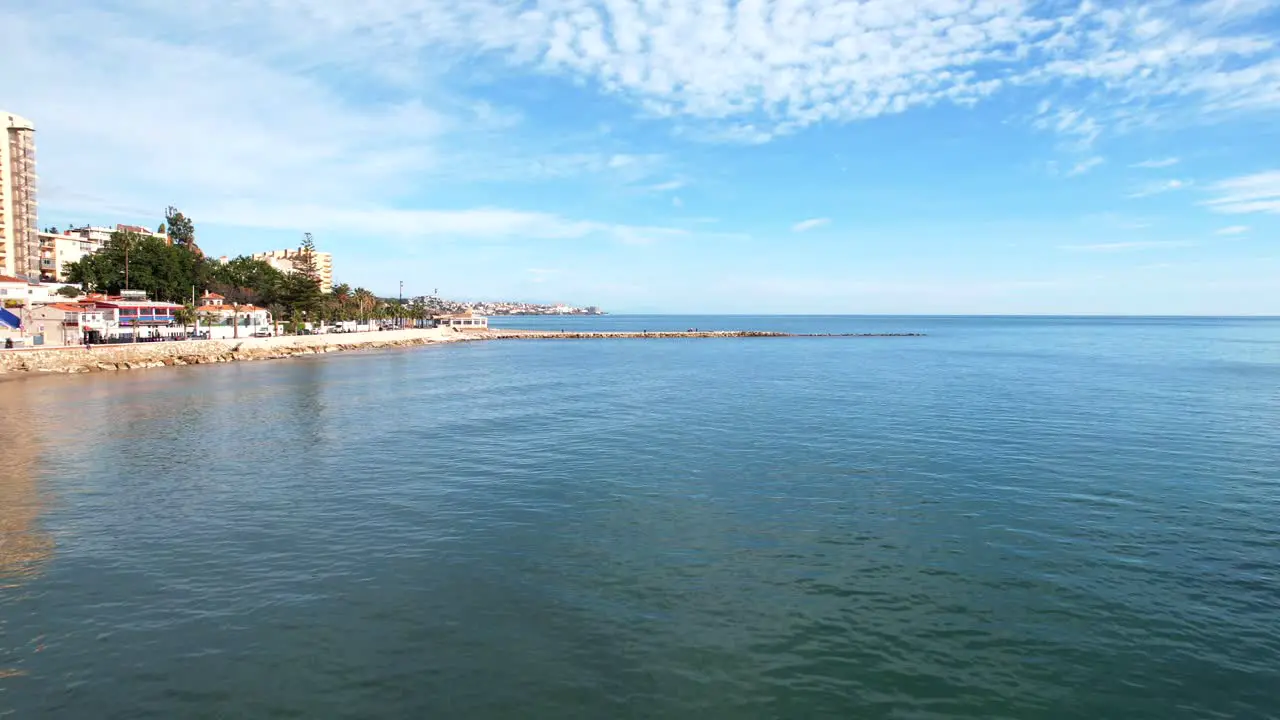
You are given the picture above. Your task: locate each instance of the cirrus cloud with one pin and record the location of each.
(810, 224)
(1256, 193)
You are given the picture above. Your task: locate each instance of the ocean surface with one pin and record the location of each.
(1008, 518)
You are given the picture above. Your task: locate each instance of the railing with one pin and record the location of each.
(144, 319)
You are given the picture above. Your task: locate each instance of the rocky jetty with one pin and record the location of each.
(575, 335)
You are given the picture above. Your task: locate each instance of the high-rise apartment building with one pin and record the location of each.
(282, 260)
(19, 234)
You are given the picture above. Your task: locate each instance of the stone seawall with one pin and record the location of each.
(201, 352)
(18, 363)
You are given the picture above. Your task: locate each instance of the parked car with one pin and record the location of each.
(262, 332)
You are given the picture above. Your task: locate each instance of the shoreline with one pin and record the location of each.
(76, 359)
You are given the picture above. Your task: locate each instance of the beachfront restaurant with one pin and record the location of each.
(146, 318)
(463, 321)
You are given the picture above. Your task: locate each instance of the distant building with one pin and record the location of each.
(463, 321)
(58, 250)
(145, 232)
(19, 239)
(285, 262)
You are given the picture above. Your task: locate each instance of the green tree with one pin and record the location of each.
(300, 289)
(185, 316)
(133, 261)
(304, 263)
(68, 291)
(338, 304)
(249, 280)
(181, 229)
(418, 311)
(365, 302)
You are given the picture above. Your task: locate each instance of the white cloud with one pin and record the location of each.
(677, 202)
(1085, 166)
(754, 68)
(810, 224)
(1235, 10)
(127, 124)
(510, 165)
(250, 119)
(412, 225)
(1233, 230)
(1127, 246)
(1257, 193)
(1078, 129)
(1159, 188)
(1157, 163)
(668, 185)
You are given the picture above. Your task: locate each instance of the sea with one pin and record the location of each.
(1008, 517)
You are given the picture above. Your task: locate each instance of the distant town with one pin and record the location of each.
(101, 284)
(440, 306)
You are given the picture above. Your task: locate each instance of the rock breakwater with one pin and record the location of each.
(607, 335)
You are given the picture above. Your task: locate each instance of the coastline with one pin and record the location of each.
(71, 360)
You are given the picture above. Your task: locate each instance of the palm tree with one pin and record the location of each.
(337, 305)
(365, 301)
(186, 315)
(208, 321)
(417, 310)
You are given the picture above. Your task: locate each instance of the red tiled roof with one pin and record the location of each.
(11, 279)
(118, 303)
(228, 308)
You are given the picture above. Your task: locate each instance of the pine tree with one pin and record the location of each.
(301, 290)
(305, 261)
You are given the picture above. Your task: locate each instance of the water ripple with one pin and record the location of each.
(1065, 520)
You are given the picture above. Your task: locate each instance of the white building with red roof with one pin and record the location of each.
(224, 320)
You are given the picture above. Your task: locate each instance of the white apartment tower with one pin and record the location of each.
(19, 234)
(283, 260)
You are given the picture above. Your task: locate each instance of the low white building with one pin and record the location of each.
(68, 323)
(17, 292)
(463, 321)
(223, 320)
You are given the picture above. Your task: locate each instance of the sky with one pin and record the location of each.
(708, 156)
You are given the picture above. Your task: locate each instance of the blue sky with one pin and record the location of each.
(793, 156)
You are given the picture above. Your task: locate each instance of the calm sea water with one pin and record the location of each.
(1009, 518)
